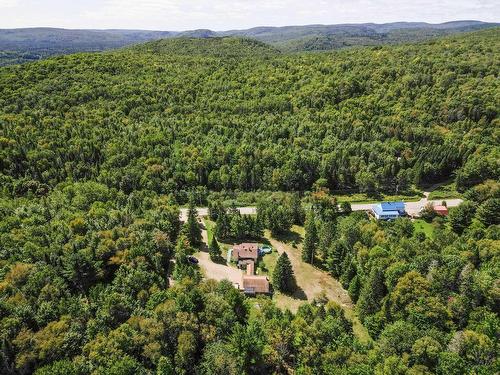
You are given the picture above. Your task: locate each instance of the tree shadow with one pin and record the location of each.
(299, 294)
(261, 240)
(374, 195)
(289, 237)
(262, 266)
(319, 264)
(203, 247)
(220, 260)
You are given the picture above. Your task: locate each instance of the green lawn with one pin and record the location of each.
(209, 225)
(267, 263)
(424, 227)
(359, 330)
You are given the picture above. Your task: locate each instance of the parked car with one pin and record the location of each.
(265, 250)
(192, 259)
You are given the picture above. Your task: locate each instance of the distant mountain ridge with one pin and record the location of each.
(29, 44)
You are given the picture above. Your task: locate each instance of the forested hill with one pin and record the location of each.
(330, 37)
(373, 119)
(223, 48)
(31, 44)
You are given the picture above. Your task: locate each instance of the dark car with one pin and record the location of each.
(192, 259)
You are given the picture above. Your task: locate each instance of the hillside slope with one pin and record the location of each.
(226, 47)
(31, 44)
(374, 119)
(328, 37)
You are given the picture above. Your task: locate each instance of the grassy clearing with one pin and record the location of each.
(312, 282)
(423, 227)
(445, 191)
(284, 301)
(266, 263)
(209, 225)
(359, 330)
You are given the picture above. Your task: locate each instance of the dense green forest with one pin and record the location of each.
(430, 301)
(239, 115)
(97, 152)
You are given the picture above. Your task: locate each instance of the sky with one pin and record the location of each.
(178, 15)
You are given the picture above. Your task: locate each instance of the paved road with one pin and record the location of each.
(203, 211)
(412, 208)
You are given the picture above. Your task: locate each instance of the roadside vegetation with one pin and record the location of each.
(445, 191)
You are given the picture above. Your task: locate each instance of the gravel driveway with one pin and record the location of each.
(213, 270)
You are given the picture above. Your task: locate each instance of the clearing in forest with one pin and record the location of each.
(313, 282)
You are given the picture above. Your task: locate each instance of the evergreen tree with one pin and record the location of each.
(283, 277)
(256, 228)
(193, 230)
(336, 258)
(327, 234)
(311, 239)
(418, 171)
(182, 266)
(298, 213)
(215, 207)
(214, 250)
(238, 228)
(372, 293)
(223, 226)
(488, 212)
(354, 288)
(279, 220)
(348, 271)
(346, 207)
(461, 216)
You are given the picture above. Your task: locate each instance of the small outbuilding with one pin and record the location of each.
(252, 285)
(441, 210)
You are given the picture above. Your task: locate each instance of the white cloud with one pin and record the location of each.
(8, 3)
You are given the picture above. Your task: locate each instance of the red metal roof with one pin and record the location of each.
(442, 210)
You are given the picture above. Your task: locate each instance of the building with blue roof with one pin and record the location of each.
(388, 210)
